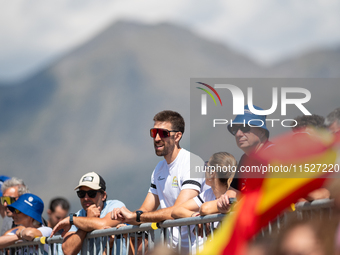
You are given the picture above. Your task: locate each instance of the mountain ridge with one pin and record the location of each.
(91, 110)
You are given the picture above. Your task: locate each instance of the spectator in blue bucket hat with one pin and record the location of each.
(29, 204)
(250, 131)
(251, 136)
(27, 211)
(249, 119)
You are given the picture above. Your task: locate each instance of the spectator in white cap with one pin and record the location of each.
(96, 214)
(27, 212)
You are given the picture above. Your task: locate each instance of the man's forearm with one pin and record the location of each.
(73, 242)
(30, 233)
(8, 240)
(209, 207)
(89, 224)
(157, 216)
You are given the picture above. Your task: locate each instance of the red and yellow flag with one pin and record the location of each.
(308, 160)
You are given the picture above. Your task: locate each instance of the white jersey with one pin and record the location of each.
(168, 180)
(205, 196)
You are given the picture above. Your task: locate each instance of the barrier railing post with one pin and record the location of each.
(84, 247)
(151, 239)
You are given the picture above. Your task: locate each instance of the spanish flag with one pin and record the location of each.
(295, 166)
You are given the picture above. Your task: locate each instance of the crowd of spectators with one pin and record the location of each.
(172, 193)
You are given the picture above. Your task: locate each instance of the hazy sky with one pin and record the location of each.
(37, 31)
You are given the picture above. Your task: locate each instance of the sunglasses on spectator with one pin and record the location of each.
(163, 133)
(8, 200)
(244, 129)
(16, 211)
(91, 193)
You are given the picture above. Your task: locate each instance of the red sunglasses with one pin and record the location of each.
(163, 133)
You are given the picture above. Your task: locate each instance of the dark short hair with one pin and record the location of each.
(314, 120)
(59, 201)
(176, 120)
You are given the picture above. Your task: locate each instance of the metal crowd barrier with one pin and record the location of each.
(39, 246)
(142, 238)
(322, 208)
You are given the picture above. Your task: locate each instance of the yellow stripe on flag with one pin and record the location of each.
(223, 234)
(276, 189)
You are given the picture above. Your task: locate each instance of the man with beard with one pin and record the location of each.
(94, 215)
(171, 184)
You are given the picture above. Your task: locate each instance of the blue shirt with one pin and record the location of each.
(108, 207)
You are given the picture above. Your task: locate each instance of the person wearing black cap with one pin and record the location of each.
(251, 135)
(96, 214)
(27, 212)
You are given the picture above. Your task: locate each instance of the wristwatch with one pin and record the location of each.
(71, 218)
(138, 214)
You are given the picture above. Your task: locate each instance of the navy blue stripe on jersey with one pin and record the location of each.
(153, 186)
(200, 199)
(191, 182)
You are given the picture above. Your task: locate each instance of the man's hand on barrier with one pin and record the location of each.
(93, 211)
(19, 231)
(64, 225)
(223, 204)
(120, 225)
(30, 233)
(124, 215)
(115, 214)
